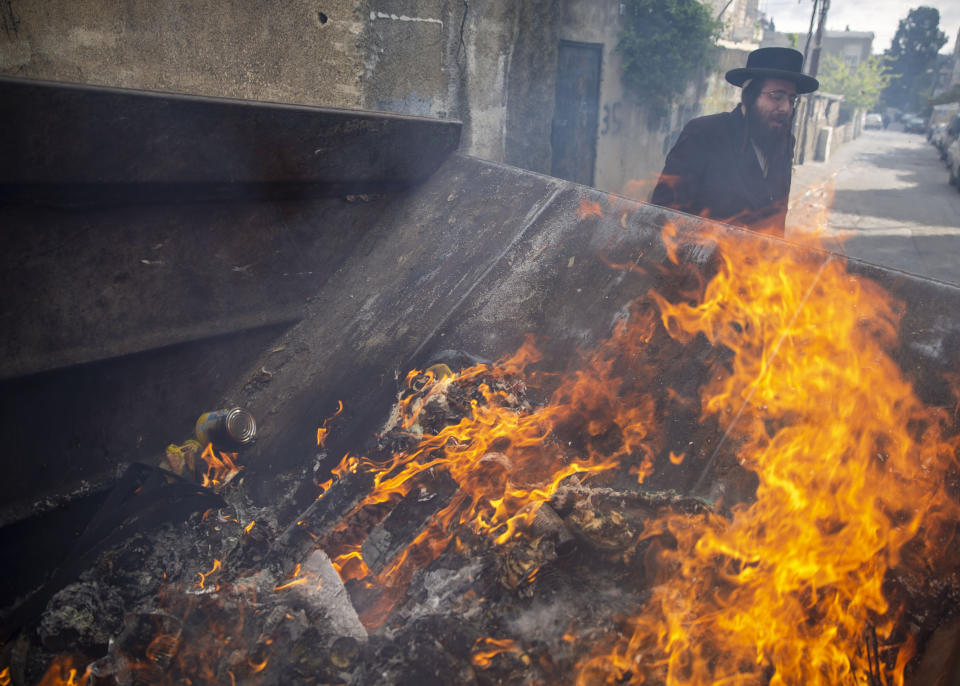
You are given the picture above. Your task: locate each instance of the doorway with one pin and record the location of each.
(574, 133)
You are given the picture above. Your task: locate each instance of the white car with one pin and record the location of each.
(873, 121)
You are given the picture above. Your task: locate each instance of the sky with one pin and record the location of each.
(879, 16)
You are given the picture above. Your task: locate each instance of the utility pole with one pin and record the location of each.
(806, 47)
(818, 41)
(812, 66)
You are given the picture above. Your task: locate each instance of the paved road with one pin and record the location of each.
(887, 200)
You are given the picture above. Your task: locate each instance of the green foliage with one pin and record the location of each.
(860, 86)
(913, 58)
(662, 45)
(794, 40)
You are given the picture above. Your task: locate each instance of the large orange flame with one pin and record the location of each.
(851, 469)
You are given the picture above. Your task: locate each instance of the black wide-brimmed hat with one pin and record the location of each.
(774, 63)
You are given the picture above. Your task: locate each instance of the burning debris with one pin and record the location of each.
(509, 527)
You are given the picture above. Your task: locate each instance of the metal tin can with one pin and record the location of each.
(228, 428)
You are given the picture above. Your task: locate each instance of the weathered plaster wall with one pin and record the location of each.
(490, 36)
(404, 50)
(300, 51)
(503, 87)
(532, 85)
(489, 63)
(816, 112)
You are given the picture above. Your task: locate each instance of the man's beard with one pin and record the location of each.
(769, 138)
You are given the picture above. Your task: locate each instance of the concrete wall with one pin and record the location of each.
(506, 83)
(405, 52)
(849, 131)
(280, 50)
(490, 63)
(816, 112)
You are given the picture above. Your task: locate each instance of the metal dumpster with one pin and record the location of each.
(168, 255)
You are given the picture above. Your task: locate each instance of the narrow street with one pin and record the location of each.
(887, 200)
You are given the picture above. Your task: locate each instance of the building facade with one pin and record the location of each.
(851, 47)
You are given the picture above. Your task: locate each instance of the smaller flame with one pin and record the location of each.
(249, 527)
(485, 649)
(589, 209)
(258, 667)
(5, 677)
(162, 647)
(296, 579)
(65, 670)
(299, 581)
(350, 565)
(322, 430)
(638, 189)
(348, 465)
(203, 577)
(220, 470)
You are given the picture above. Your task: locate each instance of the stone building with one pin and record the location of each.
(852, 47)
(740, 19)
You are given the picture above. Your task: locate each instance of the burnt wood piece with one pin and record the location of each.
(407, 520)
(548, 523)
(300, 537)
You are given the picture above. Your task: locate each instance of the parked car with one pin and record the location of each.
(913, 124)
(945, 134)
(942, 114)
(873, 121)
(937, 137)
(953, 163)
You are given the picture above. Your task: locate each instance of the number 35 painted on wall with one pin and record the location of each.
(611, 122)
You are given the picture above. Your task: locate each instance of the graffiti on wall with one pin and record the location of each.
(611, 124)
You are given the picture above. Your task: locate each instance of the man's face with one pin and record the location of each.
(772, 113)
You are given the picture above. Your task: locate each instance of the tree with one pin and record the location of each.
(913, 59)
(860, 86)
(662, 45)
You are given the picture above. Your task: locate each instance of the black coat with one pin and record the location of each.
(713, 171)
